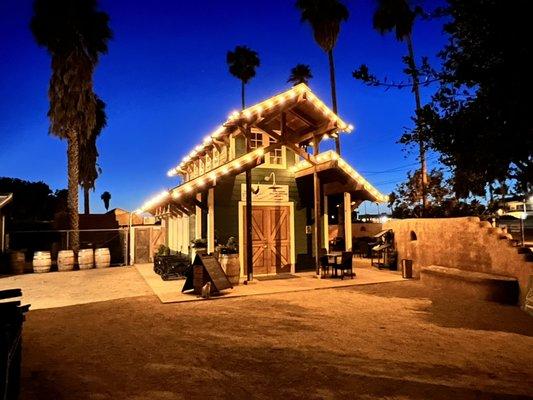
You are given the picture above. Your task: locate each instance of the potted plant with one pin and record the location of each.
(199, 245)
(229, 260)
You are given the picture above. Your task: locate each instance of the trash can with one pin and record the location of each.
(407, 268)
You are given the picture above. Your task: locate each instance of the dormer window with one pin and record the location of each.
(216, 157)
(208, 162)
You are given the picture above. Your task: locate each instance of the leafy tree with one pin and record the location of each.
(106, 197)
(301, 73)
(75, 34)
(32, 201)
(325, 18)
(441, 201)
(481, 115)
(89, 169)
(242, 63)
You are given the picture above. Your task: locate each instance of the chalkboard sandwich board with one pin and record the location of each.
(206, 268)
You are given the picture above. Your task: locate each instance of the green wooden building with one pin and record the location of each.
(292, 182)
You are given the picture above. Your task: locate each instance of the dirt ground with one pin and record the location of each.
(391, 341)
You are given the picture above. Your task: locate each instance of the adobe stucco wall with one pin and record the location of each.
(359, 229)
(464, 243)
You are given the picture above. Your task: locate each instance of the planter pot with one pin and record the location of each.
(232, 267)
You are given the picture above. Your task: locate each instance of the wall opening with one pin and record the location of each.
(413, 236)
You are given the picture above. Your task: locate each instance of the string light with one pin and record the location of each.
(332, 156)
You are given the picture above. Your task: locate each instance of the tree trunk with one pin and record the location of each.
(242, 94)
(421, 139)
(248, 207)
(86, 208)
(333, 95)
(73, 174)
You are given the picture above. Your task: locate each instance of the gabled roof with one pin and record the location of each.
(303, 111)
(339, 177)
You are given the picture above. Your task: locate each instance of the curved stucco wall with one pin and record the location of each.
(464, 243)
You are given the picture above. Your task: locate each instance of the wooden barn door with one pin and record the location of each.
(271, 239)
(142, 245)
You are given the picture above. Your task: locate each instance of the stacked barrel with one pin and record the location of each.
(66, 260)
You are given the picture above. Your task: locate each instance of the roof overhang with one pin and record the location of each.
(297, 114)
(337, 176)
(5, 199)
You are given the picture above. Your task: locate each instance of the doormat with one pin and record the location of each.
(276, 277)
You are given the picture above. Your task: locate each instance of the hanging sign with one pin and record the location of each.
(262, 192)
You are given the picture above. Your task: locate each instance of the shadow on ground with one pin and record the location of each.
(447, 310)
(328, 344)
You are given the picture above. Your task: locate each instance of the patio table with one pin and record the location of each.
(335, 256)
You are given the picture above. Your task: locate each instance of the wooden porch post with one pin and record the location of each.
(317, 197)
(198, 219)
(211, 220)
(248, 216)
(325, 222)
(347, 221)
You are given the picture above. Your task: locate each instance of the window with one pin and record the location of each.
(207, 162)
(257, 140)
(274, 158)
(276, 155)
(223, 155)
(200, 167)
(413, 236)
(216, 157)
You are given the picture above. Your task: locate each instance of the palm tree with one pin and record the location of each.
(398, 16)
(242, 63)
(325, 18)
(75, 34)
(89, 169)
(106, 196)
(301, 73)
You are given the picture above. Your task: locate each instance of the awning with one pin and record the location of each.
(337, 177)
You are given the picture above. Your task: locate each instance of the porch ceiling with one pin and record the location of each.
(337, 177)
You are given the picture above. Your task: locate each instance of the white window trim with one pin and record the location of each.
(267, 163)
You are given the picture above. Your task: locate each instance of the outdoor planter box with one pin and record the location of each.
(171, 266)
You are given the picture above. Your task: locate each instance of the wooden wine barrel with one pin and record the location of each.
(42, 261)
(65, 260)
(232, 267)
(102, 258)
(86, 259)
(17, 259)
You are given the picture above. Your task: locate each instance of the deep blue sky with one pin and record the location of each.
(166, 85)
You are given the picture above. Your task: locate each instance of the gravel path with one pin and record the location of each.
(392, 341)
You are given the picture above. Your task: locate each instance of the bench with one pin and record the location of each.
(478, 285)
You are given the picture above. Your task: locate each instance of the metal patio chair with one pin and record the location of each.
(345, 265)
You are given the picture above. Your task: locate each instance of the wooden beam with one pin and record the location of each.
(303, 117)
(282, 140)
(199, 204)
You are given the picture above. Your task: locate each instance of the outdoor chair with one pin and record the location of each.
(324, 262)
(345, 265)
